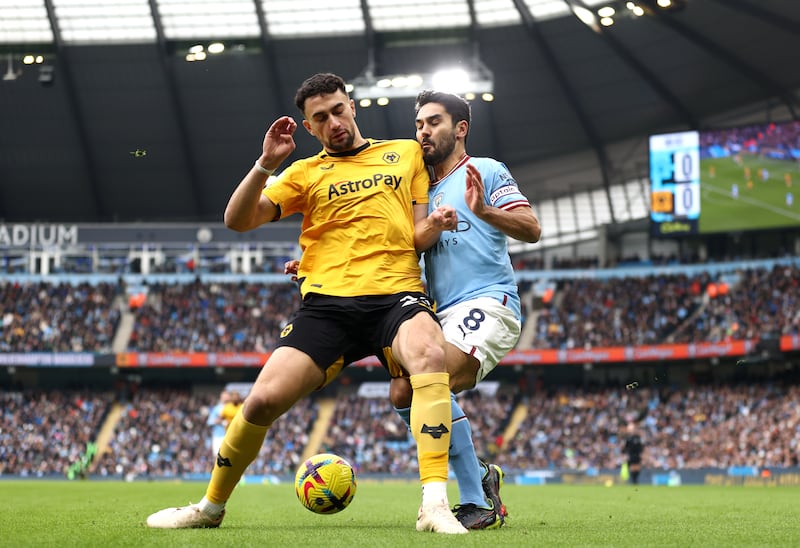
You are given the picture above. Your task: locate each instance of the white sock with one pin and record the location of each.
(210, 509)
(434, 492)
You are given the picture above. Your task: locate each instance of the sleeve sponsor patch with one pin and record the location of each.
(506, 176)
(503, 191)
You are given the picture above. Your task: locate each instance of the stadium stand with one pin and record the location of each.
(719, 305)
(45, 432)
(212, 317)
(162, 432)
(58, 317)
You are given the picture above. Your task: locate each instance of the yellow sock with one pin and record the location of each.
(431, 422)
(239, 448)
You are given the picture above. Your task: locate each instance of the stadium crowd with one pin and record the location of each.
(44, 432)
(586, 313)
(759, 139)
(162, 433)
(764, 301)
(46, 317)
(721, 426)
(589, 313)
(241, 317)
(212, 317)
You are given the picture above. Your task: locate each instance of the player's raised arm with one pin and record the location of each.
(248, 208)
(520, 223)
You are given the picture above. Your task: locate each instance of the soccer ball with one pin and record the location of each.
(325, 483)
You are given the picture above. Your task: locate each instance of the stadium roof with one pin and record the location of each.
(115, 124)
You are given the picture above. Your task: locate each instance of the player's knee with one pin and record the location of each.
(463, 371)
(433, 358)
(460, 382)
(260, 407)
(419, 345)
(400, 392)
(425, 356)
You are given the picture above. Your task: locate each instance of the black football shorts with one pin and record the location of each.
(337, 331)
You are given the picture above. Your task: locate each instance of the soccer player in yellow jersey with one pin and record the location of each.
(230, 408)
(361, 285)
(216, 423)
(221, 416)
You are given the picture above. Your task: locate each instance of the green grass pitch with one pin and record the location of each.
(761, 204)
(100, 513)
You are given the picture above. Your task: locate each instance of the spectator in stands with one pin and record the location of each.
(480, 313)
(360, 281)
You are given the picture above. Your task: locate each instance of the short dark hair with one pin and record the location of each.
(320, 84)
(456, 106)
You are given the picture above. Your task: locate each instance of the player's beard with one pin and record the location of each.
(440, 150)
(342, 145)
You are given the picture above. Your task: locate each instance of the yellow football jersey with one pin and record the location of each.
(358, 224)
(229, 411)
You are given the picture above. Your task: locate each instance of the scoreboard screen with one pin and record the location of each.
(725, 180)
(675, 183)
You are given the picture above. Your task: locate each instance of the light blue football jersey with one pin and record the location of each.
(472, 261)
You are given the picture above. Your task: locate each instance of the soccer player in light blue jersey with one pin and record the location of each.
(471, 280)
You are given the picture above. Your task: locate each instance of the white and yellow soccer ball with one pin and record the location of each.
(325, 483)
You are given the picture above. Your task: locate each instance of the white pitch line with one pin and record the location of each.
(758, 203)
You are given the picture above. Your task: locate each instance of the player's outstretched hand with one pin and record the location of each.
(475, 193)
(278, 142)
(444, 218)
